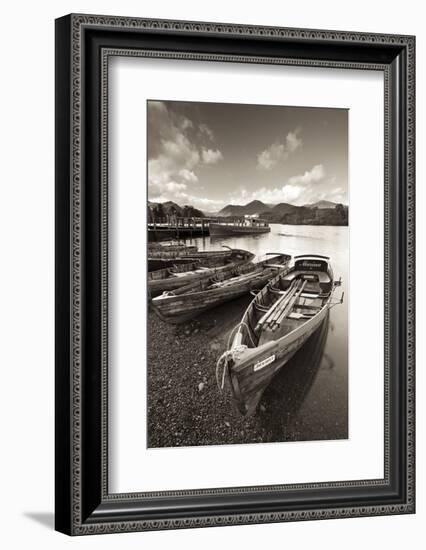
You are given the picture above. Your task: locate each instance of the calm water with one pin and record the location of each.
(311, 392)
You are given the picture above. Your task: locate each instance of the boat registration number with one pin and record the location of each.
(264, 363)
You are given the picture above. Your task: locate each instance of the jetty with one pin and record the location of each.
(174, 227)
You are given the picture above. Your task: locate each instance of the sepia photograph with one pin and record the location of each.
(247, 273)
(234, 273)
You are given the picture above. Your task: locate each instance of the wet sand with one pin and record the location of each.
(186, 408)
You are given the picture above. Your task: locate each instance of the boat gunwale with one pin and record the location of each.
(259, 268)
(221, 254)
(162, 303)
(279, 341)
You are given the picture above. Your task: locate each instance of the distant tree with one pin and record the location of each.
(173, 211)
(189, 211)
(342, 211)
(149, 214)
(158, 211)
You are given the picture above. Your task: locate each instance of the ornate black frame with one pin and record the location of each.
(83, 45)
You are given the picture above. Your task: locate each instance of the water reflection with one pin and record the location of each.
(283, 399)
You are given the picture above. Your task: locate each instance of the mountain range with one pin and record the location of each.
(259, 207)
(319, 213)
(253, 207)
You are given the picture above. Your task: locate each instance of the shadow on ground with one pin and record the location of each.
(47, 519)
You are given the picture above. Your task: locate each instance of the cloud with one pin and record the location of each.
(293, 142)
(205, 130)
(186, 123)
(316, 174)
(285, 193)
(338, 194)
(188, 175)
(211, 157)
(175, 152)
(299, 189)
(277, 152)
(172, 186)
(271, 156)
(210, 204)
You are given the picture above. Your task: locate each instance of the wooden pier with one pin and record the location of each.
(178, 228)
(174, 227)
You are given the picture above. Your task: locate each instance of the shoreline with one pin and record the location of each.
(185, 406)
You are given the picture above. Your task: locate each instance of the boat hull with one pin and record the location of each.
(157, 284)
(250, 377)
(158, 259)
(178, 309)
(218, 229)
(162, 263)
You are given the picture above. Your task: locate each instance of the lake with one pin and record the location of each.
(309, 398)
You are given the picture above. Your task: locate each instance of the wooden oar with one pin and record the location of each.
(288, 307)
(283, 304)
(270, 311)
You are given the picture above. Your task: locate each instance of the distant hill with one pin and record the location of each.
(307, 215)
(319, 213)
(232, 210)
(321, 204)
(253, 207)
(283, 208)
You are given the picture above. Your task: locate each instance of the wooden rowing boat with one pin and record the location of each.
(161, 256)
(202, 266)
(278, 321)
(194, 258)
(188, 301)
(170, 250)
(155, 264)
(238, 228)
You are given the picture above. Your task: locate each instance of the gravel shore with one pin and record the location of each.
(186, 408)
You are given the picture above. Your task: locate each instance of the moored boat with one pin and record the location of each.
(240, 227)
(188, 301)
(170, 250)
(202, 266)
(278, 321)
(165, 255)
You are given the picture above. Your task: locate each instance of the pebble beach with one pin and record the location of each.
(186, 408)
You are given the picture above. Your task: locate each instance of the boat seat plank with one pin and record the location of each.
(323, 277)
(182, 274)
(294, 315)
(277, 291)
(288, 308)
(269, 335)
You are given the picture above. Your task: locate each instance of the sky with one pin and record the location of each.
(209, 155)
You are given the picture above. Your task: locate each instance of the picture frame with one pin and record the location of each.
(84, 504)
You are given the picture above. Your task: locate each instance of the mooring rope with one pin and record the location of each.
(230, 354)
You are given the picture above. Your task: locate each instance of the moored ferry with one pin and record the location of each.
(248, 226)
